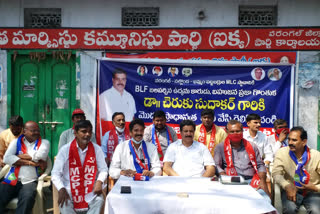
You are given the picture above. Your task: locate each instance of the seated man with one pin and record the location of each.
(280, 137)
(237, 156)
(208, 133)
(80, 169)
(187, 157)
(27, 156)
(68, 135)
(160, 134)
(115, 136)
(297, 170)
(134, 155)
(7, 136)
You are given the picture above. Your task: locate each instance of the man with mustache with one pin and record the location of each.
(208, 133)
(78, 170)
(117, 135)
(297, 170)
(135, 157)
(280, 137)
(27, 157)
(187, 157)
(237, 156)
(160, 134)
(117, 99)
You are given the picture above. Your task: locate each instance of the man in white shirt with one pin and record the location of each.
(27, 155)
(187, 157)
(160, 134)
(117, 99)
(79, 170)
(68, 135)
(255, 136)
(117, 135)
(280, 137)
(135, 156)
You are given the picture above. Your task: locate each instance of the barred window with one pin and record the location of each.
(258, 15)
(42, 17)
(140, 16)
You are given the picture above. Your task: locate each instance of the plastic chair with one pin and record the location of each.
(43, 181)
(278, 201)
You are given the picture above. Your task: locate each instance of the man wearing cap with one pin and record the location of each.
(68, 135)
(160, 134)
(208, 133)
(117, 135)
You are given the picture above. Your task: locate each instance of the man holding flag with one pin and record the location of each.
(160, 134)
(27, 157)
(297, 170)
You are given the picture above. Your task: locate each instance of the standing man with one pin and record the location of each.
(117, 99)
(280, 137)
(80, 169)
(297, 170)
(68, 135)
(7, 136)
(208, 133)
(237, 156)
(160, 134)
(187, 157)
(117, 135)
(27, 156)
(255, 136)
(135, 156)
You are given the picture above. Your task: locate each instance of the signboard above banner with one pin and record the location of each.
(163, 39)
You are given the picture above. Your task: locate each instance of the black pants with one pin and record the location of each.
(26, 194)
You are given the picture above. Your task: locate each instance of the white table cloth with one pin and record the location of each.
(161, 194)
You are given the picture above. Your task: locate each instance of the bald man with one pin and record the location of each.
(27, 157)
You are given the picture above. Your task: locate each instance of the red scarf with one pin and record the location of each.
(203, 136)
(113, 141)
(81, 177)
(230, 170)
(157, 142)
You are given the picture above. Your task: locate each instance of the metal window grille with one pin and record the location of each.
(42, 17)
(258, 15)
(140, 16)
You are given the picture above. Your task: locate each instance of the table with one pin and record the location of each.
(162, 195)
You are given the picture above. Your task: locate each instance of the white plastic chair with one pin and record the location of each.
(43, 181)
(278, 201)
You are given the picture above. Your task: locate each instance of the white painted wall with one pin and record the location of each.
(88, 78)
(177, 13)
(3, 101)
